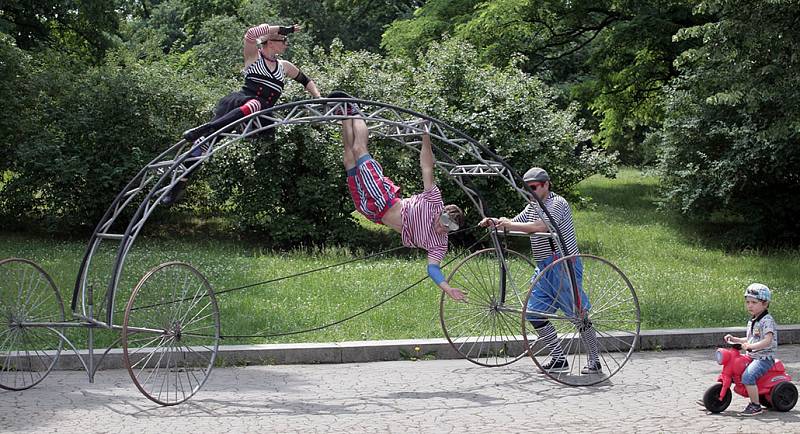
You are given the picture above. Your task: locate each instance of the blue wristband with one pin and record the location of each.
(435, 273)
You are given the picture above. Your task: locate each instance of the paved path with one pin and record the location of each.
(655, 392)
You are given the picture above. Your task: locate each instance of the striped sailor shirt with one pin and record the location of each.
(560, 210)
(419, 213)
(261, 82)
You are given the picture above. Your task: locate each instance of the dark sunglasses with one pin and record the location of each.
(535, 185)
(447, 222)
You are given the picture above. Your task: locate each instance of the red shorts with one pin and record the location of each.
(372, 193)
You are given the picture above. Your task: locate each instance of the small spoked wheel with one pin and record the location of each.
(170, 334)
(581, 320)
(485, 329)
(30, 310)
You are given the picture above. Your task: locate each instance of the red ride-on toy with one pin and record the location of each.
(775, 388)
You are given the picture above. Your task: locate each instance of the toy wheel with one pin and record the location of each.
(30, 310)
(484, 329)
(784, 396)
(711, 399)
(600, 323)
(170, 334)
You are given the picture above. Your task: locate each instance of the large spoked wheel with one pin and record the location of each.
(170, 334)
(581, 336)
(485, 329)
(30, 310)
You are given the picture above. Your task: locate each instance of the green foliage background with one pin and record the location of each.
(731, 138)
(704, 91)
(104, 122)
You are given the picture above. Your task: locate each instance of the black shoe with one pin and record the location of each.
(556, 365)
(751, 410)
(348, 107)
(200, 150)
(339, 94)
(176, 194)
(592, 368)
(197, 132)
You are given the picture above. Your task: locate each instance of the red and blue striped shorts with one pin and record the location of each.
(372, 192)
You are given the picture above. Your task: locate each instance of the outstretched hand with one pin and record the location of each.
(500, 223)
(456, 294)
(488, 221)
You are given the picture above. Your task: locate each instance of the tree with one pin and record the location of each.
(511, 112)
(358, 24)
(103, 124)
(611, 56)
(731, 136)
(406, 37)
(83, 27)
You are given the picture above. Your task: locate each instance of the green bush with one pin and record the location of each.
(288, 191)
(83, 135)
(730, 143)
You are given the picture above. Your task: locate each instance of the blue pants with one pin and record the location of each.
(554, 290)
(756, 369)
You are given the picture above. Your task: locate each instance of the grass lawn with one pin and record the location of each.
(681, 279)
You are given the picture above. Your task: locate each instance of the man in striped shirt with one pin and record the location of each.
(552, 292)
(422, 219)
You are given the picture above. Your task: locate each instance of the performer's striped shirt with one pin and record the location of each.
(560, 210)
(420, 212)
(263, 83)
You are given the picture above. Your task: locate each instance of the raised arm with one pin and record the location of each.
(261, 32)
(426, 162)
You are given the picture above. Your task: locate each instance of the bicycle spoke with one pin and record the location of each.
(177, 300)
(28, 296)
(601, 327)
(483, 330)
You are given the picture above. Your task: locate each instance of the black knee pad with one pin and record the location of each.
(539, 323)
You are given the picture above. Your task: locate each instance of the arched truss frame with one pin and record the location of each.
(157, 178)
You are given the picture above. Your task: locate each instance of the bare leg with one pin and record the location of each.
(752, 393)
(347, 139)
(355, 135)
(360, 138)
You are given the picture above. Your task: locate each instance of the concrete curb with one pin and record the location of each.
(406, 349)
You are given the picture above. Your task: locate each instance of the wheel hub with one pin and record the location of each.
(176, 329)
(14, 322)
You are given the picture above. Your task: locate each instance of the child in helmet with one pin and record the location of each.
(761, 342)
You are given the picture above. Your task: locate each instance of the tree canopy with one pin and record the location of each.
(107, 120)
(82, 27)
